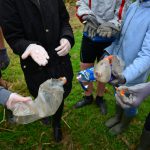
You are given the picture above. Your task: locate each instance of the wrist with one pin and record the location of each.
(10, 100)
(70, 40)
(30, 46)
(122, 80)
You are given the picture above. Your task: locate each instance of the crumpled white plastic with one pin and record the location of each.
(50, 96)
(108, 67)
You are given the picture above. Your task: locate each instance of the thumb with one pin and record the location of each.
(19, 98)
(25, 54)
(62, 41)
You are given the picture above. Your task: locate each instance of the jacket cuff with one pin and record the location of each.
(22, 46)
(127, 77)
(71, 40)
(4, 96)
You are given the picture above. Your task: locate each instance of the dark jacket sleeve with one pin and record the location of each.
(12, 27)
(4, 95)
(66, 30)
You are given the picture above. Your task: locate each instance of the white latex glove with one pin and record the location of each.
(15, 98)
(64, 47)
(38, 54)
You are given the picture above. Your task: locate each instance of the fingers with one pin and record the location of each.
(125, 88)
(25, 54)
(63, 52)
(38, 54)
(104, 31)
(123, 105)
(85, 29)
(15, 98)
(129, 101)
(20, 98)
(90, 29)
(60, 47)
(109, 34)
(40, 59)
(64, 47)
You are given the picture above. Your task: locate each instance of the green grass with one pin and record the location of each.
(83, 129)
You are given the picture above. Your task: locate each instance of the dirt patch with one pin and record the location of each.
(74, 21)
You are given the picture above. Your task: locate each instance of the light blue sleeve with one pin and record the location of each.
(112, 48)
(4, 95)
(141, 64)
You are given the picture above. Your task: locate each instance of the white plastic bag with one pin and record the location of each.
(108, 67)
(50, 96)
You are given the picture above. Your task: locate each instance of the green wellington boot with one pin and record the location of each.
(116, 119)
(120, 127)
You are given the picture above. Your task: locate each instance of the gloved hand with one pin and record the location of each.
(4, 59)
(135, 95)
(107, 30)
(38, 54)
(63, 48)
(15, 98)
(118, 79)
(50, 96)
(90, 25)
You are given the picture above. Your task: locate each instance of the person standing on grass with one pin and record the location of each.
(39, 32)
(133, 47)
(102, 20)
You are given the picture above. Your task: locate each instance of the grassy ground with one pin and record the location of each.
(83, 129)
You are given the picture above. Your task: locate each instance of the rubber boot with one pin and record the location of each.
(102, 105)
(46, 121)
(116, 119)
(85, 101)
(144, 140)
(57, 123)
(9, 116)
(120, 127)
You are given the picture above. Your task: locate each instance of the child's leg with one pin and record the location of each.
(99, 98)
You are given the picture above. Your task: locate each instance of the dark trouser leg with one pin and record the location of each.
(57, 116)
(57, 123)
(145, 137)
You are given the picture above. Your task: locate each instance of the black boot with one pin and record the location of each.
(85, 101)
(9, 116)
(57, 123)
(102, 105)
(57, 134)
(144, 141)
(116, 119)
(46, 121)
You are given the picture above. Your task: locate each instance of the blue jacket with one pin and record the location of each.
(133, 43)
